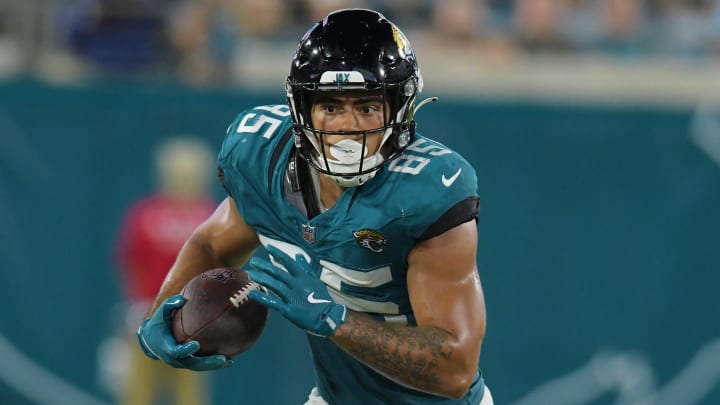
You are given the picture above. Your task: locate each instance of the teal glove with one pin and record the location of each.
(301, 297)
(157, 341)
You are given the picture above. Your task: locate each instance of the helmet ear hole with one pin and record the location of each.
(403, 139)
(410, 88)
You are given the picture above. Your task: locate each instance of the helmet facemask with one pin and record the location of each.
(348, 162)
(353, 52)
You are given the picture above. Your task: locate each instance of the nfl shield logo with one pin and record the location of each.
(308, 233)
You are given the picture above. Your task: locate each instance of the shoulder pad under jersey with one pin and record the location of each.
(432, 178)
(252, 147)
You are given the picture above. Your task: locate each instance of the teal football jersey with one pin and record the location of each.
(359, 246)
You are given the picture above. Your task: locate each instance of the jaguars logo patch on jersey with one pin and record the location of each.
(370, 239)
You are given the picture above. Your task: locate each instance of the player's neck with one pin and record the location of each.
(329, 191)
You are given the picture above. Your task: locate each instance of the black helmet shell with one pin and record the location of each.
(354, 40)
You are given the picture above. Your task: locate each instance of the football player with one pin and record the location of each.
(369, 228)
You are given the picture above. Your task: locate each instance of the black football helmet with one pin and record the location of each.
(354, 50)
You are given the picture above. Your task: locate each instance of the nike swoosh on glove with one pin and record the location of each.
(299, 295)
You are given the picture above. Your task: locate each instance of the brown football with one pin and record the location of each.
(218, 313)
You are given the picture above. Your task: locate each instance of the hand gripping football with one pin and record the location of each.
(218, 313)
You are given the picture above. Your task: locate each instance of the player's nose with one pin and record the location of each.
(349, 121)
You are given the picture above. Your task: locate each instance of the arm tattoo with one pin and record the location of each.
(408, 355)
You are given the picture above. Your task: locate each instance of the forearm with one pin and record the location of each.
(422, 358)
(194, 258)
(222, 240)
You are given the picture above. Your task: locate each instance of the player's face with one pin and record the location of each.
(343, 112)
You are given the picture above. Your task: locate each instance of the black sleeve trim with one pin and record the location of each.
(221, 177)
(307, 187)
(459, 213)
(276, 154)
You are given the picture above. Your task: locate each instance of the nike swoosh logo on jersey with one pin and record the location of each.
(311, 299)
(447, 182)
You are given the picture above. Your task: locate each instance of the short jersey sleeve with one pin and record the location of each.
(440, 185)
(251, 149)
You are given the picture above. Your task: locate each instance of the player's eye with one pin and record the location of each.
(368, 109)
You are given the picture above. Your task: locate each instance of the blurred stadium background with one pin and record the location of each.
(594, 126)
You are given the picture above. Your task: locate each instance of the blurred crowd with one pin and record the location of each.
(204, 42)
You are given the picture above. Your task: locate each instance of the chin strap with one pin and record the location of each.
(353, 181)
